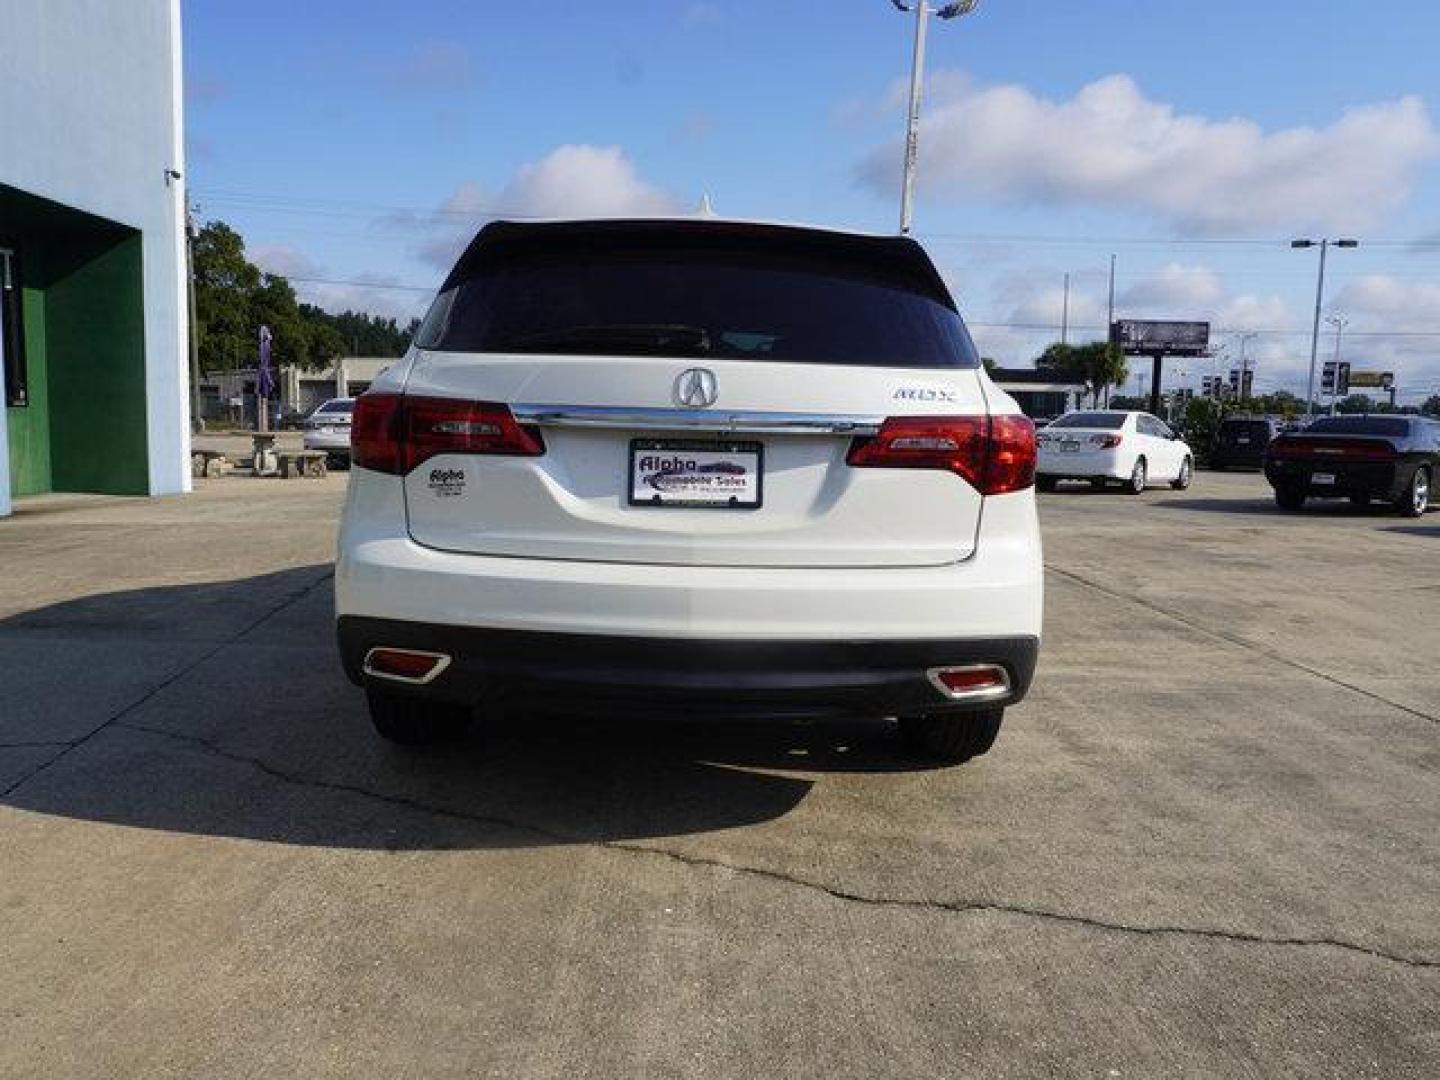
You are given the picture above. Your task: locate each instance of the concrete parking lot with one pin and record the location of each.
(1208, 845)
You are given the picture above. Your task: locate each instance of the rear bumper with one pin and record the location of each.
(1380, 480)
(713, 679)
(1085, 465)
(332, 441)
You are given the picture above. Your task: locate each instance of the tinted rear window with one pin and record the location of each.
(1103, 421)
(763, 294)
(1360, 425)
(1245, 427)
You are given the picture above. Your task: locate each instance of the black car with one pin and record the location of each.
(1361, 458)
(1242, 441)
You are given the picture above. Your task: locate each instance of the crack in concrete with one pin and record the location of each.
(1240, 642)
(33, 745)
(72, 745)
(1242, 937)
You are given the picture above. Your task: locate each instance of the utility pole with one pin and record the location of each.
(197, 421)
(1110, 320)
(1324, 246)
(921, 8)
(1065, 315)
(1339, 322)
(1245, 340)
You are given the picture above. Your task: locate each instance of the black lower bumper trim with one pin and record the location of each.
(709, 678)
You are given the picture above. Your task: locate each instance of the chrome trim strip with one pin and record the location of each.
(989, 693)
(434, 673)
(760, 423)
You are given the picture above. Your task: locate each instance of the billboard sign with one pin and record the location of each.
(1141, 337)
(1382, 380)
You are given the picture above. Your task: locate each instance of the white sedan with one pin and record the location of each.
(1133, 448)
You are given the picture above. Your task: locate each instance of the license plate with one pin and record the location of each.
(1069, 447)
(1243, 440)
(696, 474)
(1322, 478)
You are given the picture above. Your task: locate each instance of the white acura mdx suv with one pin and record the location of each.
(701, 468)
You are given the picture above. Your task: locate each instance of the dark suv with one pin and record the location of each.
(1242, 441)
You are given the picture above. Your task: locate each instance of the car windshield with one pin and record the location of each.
(765, 296)
(1103, 421)
(1360, 425)
(332, 407)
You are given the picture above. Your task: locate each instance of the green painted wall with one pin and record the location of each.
(84, 313)
(30, 426)
(95, 352)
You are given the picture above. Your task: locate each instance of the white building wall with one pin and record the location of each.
(93, 118)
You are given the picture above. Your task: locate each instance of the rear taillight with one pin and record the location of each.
(393, 433)
(1106, 442)
(993, 454)
(1319, 448)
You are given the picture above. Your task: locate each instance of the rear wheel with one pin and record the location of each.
(1289, 498)
(1138, 476)
(1187, 473)
(413, 721)
(952, 738)
(1416, 499)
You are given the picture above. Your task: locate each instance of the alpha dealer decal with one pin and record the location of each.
(447, 483)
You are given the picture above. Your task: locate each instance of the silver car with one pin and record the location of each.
(328, 429)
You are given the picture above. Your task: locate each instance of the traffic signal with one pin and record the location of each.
(1342, 378)
(1235, 380)
(1249, 383)
(1327, 378)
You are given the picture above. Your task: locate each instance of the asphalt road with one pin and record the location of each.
(1208, 845)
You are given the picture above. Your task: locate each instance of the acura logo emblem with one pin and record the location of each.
(696, 388)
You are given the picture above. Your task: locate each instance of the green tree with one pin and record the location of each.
(1431, 406)
(1356, 403)
(1099, 363)
(225, 280)
(234, 298)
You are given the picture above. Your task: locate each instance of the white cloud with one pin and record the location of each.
(1174, 287)
(1111, 146)
(577, 181)
(377, 294)
(283, 259)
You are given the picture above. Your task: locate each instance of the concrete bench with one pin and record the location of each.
(301, 463)
(209, 464)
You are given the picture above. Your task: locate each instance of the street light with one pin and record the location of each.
(1339, 322)
(1324, 246)
(921, 8)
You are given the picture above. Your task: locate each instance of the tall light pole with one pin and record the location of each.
(1245, 340)
(1324, 246)
(921, 9)
(1339, 322)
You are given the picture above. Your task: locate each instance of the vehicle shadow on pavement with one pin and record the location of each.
(221, 709)
(1334, 508)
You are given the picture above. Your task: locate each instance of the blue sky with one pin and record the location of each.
(355, 145)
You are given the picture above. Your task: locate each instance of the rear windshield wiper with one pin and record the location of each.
(652, 337)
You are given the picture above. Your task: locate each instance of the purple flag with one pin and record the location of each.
(265, 380)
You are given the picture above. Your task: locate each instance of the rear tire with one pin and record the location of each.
(1138, 476)
(1289, 498)
(952, 738)
(1187, 474)
(1416, 499)
(413, 721)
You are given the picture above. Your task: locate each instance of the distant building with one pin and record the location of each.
(229, 397)
(1041, 394)
(92, 258)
